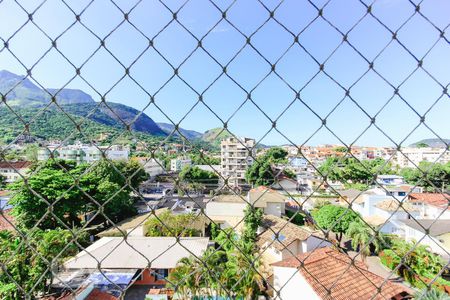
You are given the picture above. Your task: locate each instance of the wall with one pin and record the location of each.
(275, 209)
(313, 243)
(436, 246)
(147, 278)
(292, 285)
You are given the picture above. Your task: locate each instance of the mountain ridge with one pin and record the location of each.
(22, 92)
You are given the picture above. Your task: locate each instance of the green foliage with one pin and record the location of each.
(423, 264)
(436, 177)
(195, 174)
(422, 145)
(74, 193)
(169, 224)
(363, 238)
(297, 218)
(252, 220)
(335, 218)
(231, 267)
(27, 262)
(199, 158)
(260, 172)
(432, 294)
(350, 170)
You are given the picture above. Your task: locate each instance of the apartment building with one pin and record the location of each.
(411, 157)
(177, 164)
(236, 156)
(82, 153)
(14, 170)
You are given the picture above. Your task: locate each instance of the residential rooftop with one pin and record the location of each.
(332, 276)
(435, 227)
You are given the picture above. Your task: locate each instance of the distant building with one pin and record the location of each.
(390, 180)
(14, 170)
(152, 166)
(431, 205)
(327, 274)
(411, 157)
(236, 156)
(82, 153)
(177, 164)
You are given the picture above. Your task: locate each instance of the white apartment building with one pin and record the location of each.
(236, 156)
(177, 164)
(84, 153)
(411, 157)
(14, 170)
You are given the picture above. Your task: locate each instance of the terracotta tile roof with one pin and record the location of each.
(287, 233)
(434, 199)
(96, 294)
(260, 196)
(6, 219)
(327, 269)
(14, 164)
(392, 205)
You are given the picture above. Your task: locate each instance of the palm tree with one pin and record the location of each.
(432, 294)
(360, 235)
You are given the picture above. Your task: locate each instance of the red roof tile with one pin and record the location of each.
(15, 164)
(326, 270)
(96, 294)
(434, 199)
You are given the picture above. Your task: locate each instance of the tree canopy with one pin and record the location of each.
(56, 196)
(431, 176)
(27, 263)
(261, 171)
(169, 224)
(335, 218)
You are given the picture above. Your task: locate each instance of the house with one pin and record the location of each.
(285, 184)
(228, 210)
(390, 180)
(280, 239)
(431, 205)
(113, 264)
(153, 167)
(14, 170)
(270, 200)
(379, 208)
(328, 274)
(438, 237)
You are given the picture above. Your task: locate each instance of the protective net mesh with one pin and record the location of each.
(100, 202)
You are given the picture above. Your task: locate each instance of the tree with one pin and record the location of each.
(27, 264)
(363, 238)
(169, 224)
(261, 172)
(434, 177)
(252, 220)
(59, 193)
(422, 145)
(195, 174)
(335, 218)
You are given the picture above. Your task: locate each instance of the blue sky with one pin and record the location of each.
(300, 71)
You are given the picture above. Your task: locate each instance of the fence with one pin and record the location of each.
(99, 201)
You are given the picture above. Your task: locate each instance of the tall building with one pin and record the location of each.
(177, 164)
(236, 156)
(411, 157)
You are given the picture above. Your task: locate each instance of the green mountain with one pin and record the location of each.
(434, 143)
(27, 100)
(189, 134)
(215, 136)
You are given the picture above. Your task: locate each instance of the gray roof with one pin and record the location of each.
(137, 253)
(438, 228)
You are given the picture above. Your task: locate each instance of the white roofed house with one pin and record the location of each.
(140, 262)
(431, 205)
(14, 170)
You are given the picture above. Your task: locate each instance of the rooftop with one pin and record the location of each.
(436, 228)
(14, 164)
(6, 220)
(326, 269)
(137, 252)
(280, 233)
(392, 205)
(434, 199)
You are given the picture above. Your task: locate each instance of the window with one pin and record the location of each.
(161, 274)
